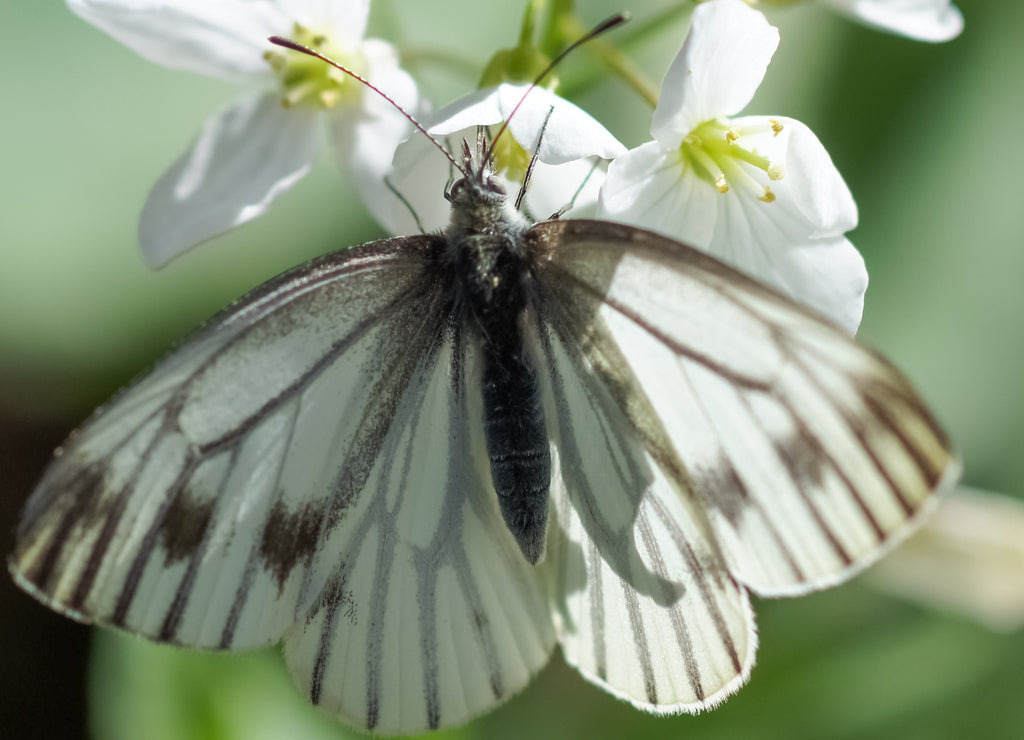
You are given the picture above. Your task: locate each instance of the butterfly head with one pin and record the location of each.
(479, 199)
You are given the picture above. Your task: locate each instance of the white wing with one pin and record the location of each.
(432, 615)
(303, 468)
(809, 453)
(644, 602)
(189, 508)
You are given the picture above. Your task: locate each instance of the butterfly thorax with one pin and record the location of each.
(487, 253)
(487, 249)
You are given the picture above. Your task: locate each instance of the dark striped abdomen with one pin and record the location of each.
(517, 441)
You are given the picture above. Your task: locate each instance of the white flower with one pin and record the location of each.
(758, 192)
(924, 20)
(567, 171)
(264, 142)
(967, 558)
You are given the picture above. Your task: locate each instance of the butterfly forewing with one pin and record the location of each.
(808, 453)
(200, 526)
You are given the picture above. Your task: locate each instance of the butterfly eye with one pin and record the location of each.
(454, 192)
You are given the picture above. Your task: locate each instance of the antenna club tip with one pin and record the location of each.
(616, 20)
(286, 43)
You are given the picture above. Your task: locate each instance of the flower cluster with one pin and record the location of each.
(260, 145)
(759, 192)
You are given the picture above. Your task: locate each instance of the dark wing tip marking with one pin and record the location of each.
(81, 485)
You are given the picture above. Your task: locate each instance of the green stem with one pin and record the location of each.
(553, 39)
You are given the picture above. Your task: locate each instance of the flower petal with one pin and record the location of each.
(811, 187)
(771, 245)
(924, 20)
(553, 187)
(720, 66)
(344, 21)
(968, 558)
(420, 176)
(828, 275)
(366, 136)
(224, 39)
(243, 158)
(572, 133)
(649, 187)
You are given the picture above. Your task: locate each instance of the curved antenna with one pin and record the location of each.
(288, 44)
(607, 25)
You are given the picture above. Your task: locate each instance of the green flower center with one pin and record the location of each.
(509, 156)
(715, 154)
(306, 80)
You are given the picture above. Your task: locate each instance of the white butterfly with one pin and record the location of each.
(318, 465)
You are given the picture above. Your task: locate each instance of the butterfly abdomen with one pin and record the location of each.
(490, 277)
(495, 298)
(517, 442)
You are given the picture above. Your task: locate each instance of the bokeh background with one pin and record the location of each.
(927, 136)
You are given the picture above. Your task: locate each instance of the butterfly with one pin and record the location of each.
(423, 462)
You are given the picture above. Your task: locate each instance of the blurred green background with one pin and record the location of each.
(926, 136)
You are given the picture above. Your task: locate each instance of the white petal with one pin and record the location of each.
(811, 187)
(419, 176)
(924, 20)
(479, 108)
(650, 188)
(967, 558)
(243, 158)
(554, 187)
(343, 21)
(365, 137)
(826, 274)
(572, 133)
(720, 66)
(224, 39)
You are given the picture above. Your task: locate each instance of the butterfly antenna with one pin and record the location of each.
(600, 28)
(533, 160)
(289, 44)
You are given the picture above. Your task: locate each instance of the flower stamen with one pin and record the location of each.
(306, 80)
(713, 150)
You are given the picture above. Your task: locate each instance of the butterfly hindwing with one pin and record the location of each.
(808, 452)
(432, 615)
(644, 601)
